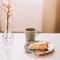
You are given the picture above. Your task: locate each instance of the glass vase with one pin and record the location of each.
(7, 35)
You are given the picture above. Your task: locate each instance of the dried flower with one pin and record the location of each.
(8, 7)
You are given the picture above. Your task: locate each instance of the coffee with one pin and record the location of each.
(30, 29)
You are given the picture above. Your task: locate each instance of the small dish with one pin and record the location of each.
(38, 52)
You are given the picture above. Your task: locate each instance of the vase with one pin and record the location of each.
(7, 35)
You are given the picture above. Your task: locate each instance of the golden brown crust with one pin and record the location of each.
(41, 46)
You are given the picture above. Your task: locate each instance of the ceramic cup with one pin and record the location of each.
(30, 34)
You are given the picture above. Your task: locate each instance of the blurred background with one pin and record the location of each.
(43, 15)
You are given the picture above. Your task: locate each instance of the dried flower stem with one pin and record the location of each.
(7, 27)
(7, 20)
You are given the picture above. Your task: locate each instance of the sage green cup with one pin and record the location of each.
(30, 34)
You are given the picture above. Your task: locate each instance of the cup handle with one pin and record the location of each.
(37, 32)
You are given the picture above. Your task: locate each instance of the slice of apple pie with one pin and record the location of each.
(38, 46)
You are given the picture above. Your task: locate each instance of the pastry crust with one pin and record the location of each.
(41, 46)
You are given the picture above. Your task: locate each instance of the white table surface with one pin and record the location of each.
(15, 51)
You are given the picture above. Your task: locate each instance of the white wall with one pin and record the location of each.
(28, 13)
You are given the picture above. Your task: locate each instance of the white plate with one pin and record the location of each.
(49, 49)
